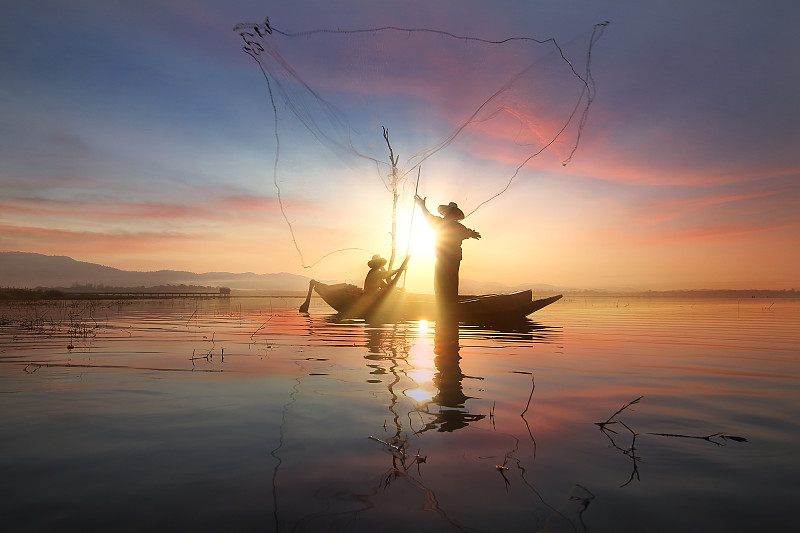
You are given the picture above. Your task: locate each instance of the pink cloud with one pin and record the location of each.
(664, 209)
(22, 237)
(211, 208)
(612, 149)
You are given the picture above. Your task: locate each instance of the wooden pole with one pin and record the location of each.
(393, 184)
(411, 226)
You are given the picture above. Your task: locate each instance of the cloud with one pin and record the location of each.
(213, 207)
(665, 208)
(24, 238)
(146, 123)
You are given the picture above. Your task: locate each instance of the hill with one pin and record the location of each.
(29, 270)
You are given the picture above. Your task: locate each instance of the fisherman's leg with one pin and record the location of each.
(450, 282)
(456, 268)
(443, 288)
(439, 283)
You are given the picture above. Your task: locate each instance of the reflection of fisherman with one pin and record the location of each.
(449, 234)
(451, 399)
(377, 275)
(447, 360)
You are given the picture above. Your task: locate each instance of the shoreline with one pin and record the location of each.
(138, 293)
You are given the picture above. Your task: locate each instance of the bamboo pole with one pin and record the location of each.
(411, 226)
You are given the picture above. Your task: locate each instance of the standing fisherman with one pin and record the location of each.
(449, 234)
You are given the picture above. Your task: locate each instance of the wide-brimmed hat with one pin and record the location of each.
(451, 209)
(377, 261)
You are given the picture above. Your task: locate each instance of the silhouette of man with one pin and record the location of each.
(449, 235)
(377, 275)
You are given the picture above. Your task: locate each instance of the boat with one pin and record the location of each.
(391, 304)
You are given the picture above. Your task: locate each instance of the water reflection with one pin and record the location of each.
(450, 398)
(429, 356)
(431, 361)
(524, 332)
(277, 435)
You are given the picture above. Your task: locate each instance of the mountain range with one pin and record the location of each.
(25, 270)
(30, 270)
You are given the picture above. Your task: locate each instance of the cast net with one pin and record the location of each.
(369, 108)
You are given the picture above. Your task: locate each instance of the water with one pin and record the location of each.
(243, 414)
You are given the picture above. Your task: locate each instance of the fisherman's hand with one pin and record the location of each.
(476, 235)
(420, 201)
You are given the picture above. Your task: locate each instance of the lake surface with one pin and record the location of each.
(243, 414)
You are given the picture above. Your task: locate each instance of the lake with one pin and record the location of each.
(598, 414)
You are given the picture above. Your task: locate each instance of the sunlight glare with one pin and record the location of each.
(420, 243)
(421, 375)
(423, 240)
(419, 394)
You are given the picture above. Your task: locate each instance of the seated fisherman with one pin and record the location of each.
(377, 275)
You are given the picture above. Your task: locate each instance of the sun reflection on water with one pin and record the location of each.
(420, 395)
(422, 366)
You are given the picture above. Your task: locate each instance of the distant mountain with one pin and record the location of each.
(28, 270)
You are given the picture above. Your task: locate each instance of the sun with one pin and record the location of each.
(421, 242)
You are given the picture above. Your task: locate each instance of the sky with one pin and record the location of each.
(139, 135)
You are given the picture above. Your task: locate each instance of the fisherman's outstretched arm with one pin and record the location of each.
(421, 203)
(470, 233)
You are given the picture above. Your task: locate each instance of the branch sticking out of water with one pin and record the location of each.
(629, 452)
(261, 327)
(709, 438)
(610, 418)
(389, 444)
(191, 317)
(527, 406)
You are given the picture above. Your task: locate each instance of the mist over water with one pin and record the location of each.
(243, 414)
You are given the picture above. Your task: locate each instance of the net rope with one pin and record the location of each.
(328, 79)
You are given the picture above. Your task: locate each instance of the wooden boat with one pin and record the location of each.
(392, 304)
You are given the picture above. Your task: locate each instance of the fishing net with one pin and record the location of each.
(373, 106)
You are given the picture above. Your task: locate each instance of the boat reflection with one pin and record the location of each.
(430, 396)
(425, 366)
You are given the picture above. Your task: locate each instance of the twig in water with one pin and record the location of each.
(610, 418)
(533, 387)
(502, 470)
(389, 444)
(709, 438)
(630, 452)
(261, 327)
(527, 406)
(194, 358)
(191, 317)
